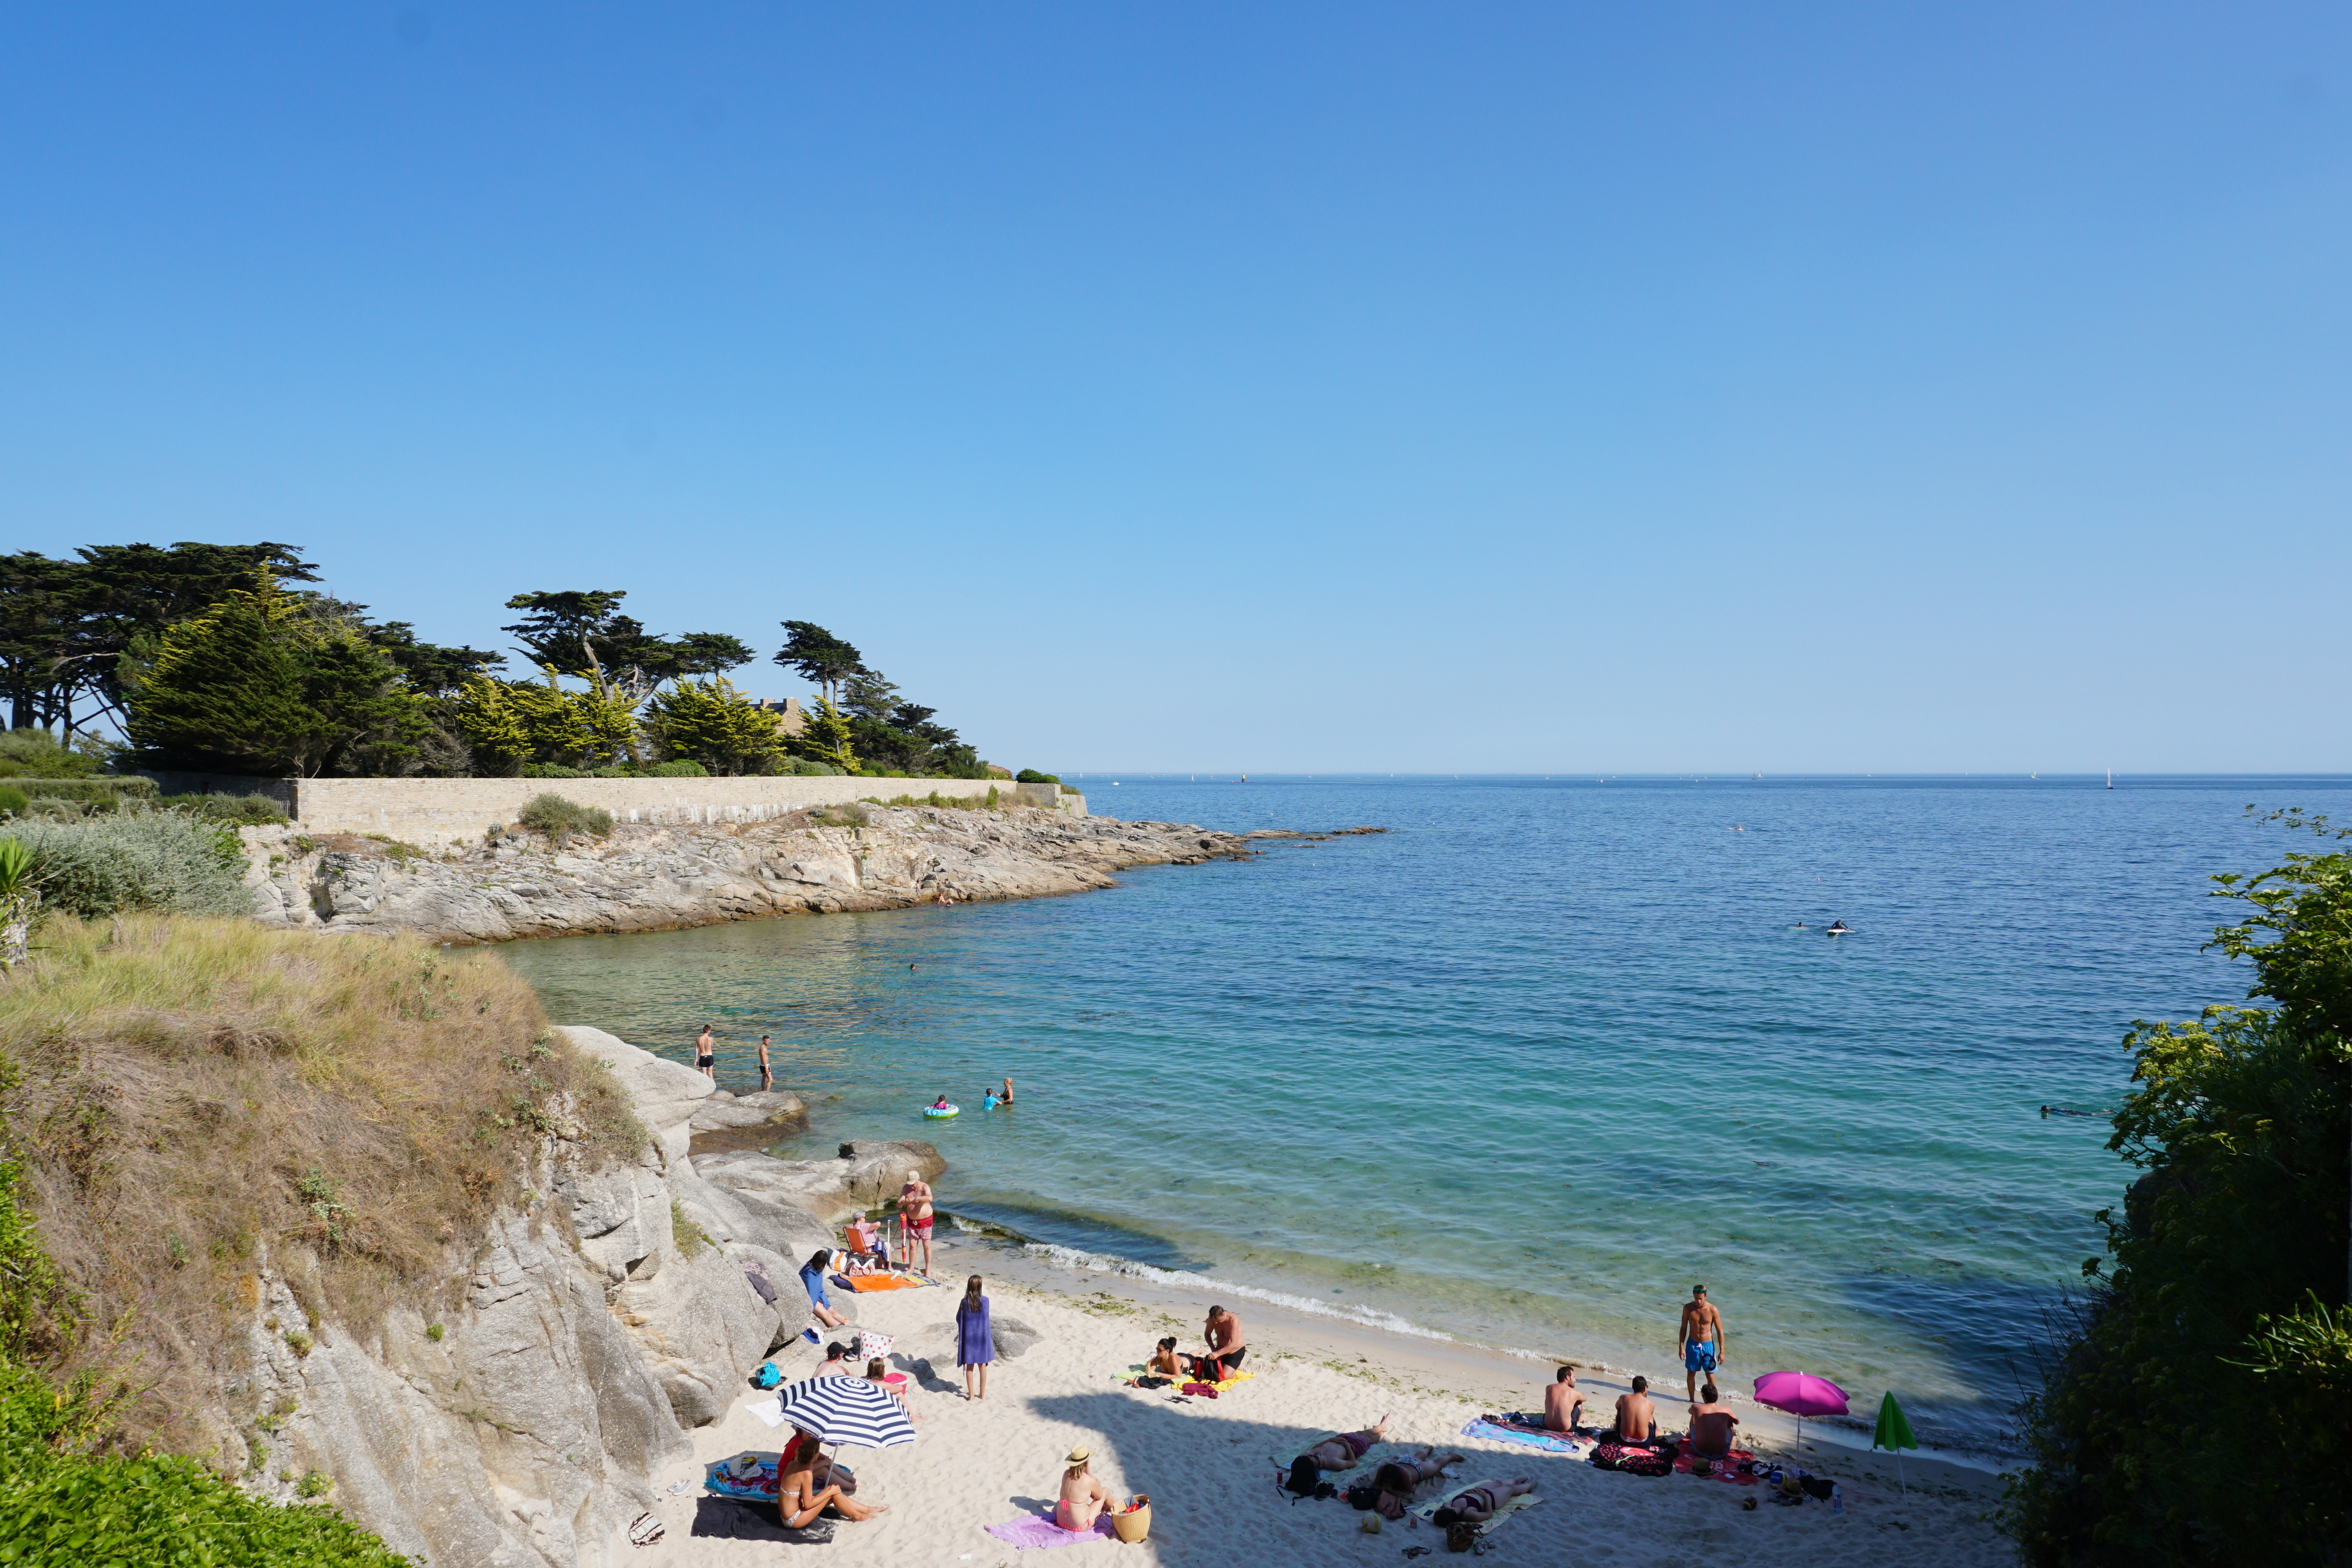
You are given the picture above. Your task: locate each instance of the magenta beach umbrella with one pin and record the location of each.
(1800, 1394)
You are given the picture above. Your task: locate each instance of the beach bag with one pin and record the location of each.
(1362, 1496)
(1134, 1524)
(767, 1376)
(1818, 1487)
(871, 1344)
(644, 1530)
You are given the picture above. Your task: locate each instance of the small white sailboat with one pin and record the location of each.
(2111, 778)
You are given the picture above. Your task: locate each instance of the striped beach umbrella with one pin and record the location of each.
(837, 1410)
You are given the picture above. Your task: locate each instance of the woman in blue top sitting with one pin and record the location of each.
(813, 1281)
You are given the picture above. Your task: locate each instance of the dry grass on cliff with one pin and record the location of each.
(193, 1099)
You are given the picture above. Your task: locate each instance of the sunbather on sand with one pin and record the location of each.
(1711, 1425)
(798, 1497)
(1083, 1497)
(1163, 1361)
(1338, 1453)
(1394, 1483)
(1563, 1401)
(1637, 1419)
(1481, 1502)
(813, 1273)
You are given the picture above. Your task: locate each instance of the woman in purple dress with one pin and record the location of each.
(975, 1345)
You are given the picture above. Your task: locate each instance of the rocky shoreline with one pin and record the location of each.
(599, 1323)
(519, 885)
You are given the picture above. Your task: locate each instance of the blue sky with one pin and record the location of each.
(1277, 387)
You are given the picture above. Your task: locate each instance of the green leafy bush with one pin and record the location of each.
(2194, 1415)
(237, 810)
(1030, 776)
(677, 767)
(111, 791)
(35, 754)
(559, 819)
(61, 1503)
(12, 801)
(802, 767)
(137, 859)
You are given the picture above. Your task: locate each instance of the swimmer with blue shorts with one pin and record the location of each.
(1703, 1342)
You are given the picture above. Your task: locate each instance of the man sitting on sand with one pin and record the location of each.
(1637, 1419)
(1083, 1497)
(1711, 1425)
(1563, 1401)
(1226, 1346)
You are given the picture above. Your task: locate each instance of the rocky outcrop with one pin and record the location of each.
(658, 878)
(522, 1423)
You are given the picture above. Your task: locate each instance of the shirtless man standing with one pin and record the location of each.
(767, 1079)
(1563, 1401)
(915, 1219)
(1226, 1346)
(1703, 1342)
(705, 1053)
(1637, 1419)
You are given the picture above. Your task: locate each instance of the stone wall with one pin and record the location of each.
(436, 813)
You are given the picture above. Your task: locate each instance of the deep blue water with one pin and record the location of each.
(1527, 1066)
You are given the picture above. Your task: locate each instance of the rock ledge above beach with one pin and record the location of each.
(661, 878)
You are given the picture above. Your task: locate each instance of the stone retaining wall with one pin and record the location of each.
(434, 812)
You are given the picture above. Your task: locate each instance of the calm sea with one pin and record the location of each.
(1522, 1069)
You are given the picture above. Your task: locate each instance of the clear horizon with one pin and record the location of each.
(1307, 387)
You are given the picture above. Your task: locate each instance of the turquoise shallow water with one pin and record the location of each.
(1523, 1068)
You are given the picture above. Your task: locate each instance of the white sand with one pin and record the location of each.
(1206, 1464)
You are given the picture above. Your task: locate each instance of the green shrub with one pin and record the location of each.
(558, 818)
(802, 767)
(849, 815)
(237, 810)
(89, 791)
(12, 801)
(137, 859)
(62, 1504)
(35, 754)
(682, 768)
(1030, 776)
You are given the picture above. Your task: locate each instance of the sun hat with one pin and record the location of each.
(1079, 1455)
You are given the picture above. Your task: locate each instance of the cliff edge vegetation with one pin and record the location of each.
(2195, 1413)
(188, 1105)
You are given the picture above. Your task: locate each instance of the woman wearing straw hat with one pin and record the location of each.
(1083, 1497)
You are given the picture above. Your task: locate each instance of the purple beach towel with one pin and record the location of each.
(1038, 1530)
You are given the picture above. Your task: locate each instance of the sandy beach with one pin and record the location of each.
(1207, 1464)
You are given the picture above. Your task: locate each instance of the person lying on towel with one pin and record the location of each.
(1480, 1503)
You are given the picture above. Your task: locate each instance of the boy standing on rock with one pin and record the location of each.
(767, 1079)
(705, 1054)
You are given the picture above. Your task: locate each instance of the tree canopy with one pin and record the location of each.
(2195, 1412)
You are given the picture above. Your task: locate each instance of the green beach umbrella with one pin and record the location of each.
(1893, 1434)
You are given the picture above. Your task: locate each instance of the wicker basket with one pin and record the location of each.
(1134, 1523)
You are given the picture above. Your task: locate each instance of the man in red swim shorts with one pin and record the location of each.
(915, 1219)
